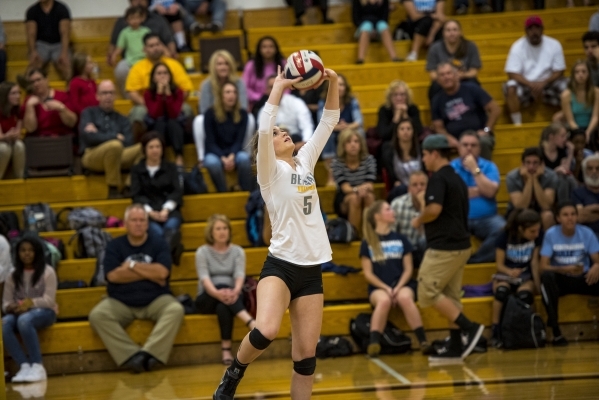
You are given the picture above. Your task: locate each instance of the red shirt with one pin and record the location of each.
(49, 122)
(164, 106)
(10, 121)
(82, 94)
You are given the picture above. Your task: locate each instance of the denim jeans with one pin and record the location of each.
(218, 9)
(158, 228)
(243, 166)
(26, 325)
(486, 229)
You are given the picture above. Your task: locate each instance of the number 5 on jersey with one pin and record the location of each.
(307, 205)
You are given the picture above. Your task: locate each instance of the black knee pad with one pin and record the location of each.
(306, 367)
(526, 296)
(502, 293)
(258, 340)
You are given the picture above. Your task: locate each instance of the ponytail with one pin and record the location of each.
(369, 230)
(521, 218)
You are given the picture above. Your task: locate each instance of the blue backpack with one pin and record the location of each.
(254, 223)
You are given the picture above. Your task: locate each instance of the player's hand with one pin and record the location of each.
(330, 75)
(282, 82)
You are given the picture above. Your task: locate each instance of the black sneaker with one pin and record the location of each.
(473, 336)
(228, 385)
(446, 355)
(559, 341)
(427, 349)
(374, 349)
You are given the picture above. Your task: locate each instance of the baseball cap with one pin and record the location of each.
(435, 142)
(533, 20)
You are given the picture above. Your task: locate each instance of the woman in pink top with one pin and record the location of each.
(267, 59)
(82, 88)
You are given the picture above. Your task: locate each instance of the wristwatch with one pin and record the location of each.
(488, 131)
(477, 171)
(132, 264)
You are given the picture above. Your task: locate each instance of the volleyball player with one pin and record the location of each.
(291, 276)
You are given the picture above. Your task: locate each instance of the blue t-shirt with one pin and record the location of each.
(140, 293)
(518, 253)
(480, 207)
(395, 246)
(563, 250)
(583, 196)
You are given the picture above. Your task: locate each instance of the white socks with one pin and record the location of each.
(180, 39)
(516, 118)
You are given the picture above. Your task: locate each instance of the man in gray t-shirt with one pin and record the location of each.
(533, 186)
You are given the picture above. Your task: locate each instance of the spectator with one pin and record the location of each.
(387, 264)
(535, 67)
(82, 87)
(226, 129)
(369, 15)
(425, 17)
(462, 106)
(28, 305)
(267, 59)
(155, 183)
(11, 145)
(586, 197)
(517, 258)
(408, 207)
(156, 23)
(569, 264)
(106, 142)
(164, 101)
(499, 5)
(454, 48)
(139, 80)
(580, 152)
(221, 271)
(482, 179)
(171, 11)
(461, 6)
(590, 42)
(137, 267)
(533, 186)
(405, 158)
(222, 69)
(399, 105)
(354, 171)
(48, 28)
(299, 7)
(216, 8)
(557, 156)
(2, 53)
(46, 112)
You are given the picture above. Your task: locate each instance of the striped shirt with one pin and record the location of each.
(405, 212)
(424, 5)
(366, 172)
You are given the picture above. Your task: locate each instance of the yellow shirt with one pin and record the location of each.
(139, 75)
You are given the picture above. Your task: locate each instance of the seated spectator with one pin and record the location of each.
(354, 171)
(82, 87)
(225, 131)
(164, 101)
(28, 305)
(256, 72)
(299, 7)
(408, 207)
(499, 5)
(463, 106)
(425, 19)
(461, 6)
(557, 156)
(533, 186)
(369, 15)
(106, 141)
(482, 179)
(535, 67)
(517, 258)
(387, 265)
(456, 49)
(404, 159)
(216, 8)
(569, 264)
(398, 106)
(590, 42)
(48, 29)
(580, 152)
(137, 267)
(2, 53)
(171, 11)
(156, 23)
(220, 265)
(12, 147)
(46, 112)
(586, 197)
(139, 80)
(222, 69)
(155, 183)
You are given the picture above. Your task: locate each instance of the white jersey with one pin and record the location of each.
(298, 232)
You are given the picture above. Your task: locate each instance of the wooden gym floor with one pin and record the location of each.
(549, 373)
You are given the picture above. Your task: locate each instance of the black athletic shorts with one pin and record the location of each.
(301, 280)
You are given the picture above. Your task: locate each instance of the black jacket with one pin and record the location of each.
(386, 128)
(157, 190)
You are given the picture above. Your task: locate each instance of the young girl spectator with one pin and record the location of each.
(257, 71)
(29, 304)
(171, 10)
(455, 48)
(425, 19)
(164, 101)
(225, 129)
(82, 87)
(557, 155)
(404, 160)
(354, 171)
(221, 271)
(222, 69)
(369, 15)
(517, 259)
(387, 264)
(11, 145)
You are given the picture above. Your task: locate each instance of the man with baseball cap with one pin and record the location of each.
(445, 218)
(535, 66)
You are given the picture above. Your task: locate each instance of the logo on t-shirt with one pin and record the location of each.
(140, 257)
(454, 109)
(520, 253)
(569, 254)
(304, 185)
(392, 249)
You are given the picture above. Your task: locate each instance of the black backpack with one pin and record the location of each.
(521, 328)
(393, 340)
(193, 182)
(254, 223)
(339, 230)
(333, 346)
(9, 224)
(39, 217)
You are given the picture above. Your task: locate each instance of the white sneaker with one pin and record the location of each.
(36, 373)
(22, 374)
(412, 56)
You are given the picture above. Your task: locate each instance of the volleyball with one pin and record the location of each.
(308, 65)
